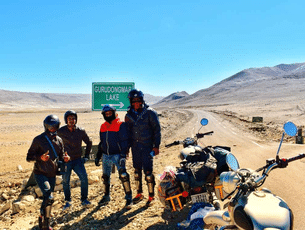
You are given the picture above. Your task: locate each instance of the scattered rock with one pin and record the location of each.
(6, 207)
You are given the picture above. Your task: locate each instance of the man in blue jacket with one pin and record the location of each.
(144, 139)
(113, 147)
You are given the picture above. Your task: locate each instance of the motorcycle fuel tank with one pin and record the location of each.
(264, 209)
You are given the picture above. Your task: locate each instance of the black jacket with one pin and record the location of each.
(73, 141)
(40, 146)
(143, 127)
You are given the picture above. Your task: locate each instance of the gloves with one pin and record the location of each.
(97, 161)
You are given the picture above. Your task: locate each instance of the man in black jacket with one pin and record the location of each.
(73, 136)
(144, 139)
(46, 150)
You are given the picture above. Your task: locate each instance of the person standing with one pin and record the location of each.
(145, 137)
(112, 148)
(46, 150)
(72, 137)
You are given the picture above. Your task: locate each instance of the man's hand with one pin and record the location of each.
(45, 157)
(156, 150)
(86, 158)
(97, 161)
(66, 157)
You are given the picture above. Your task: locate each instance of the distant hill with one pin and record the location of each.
(284, 82)
(174, 96)
(15, 100)
(281, 82)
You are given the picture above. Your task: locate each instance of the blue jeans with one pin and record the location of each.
(108, 161)
(80, 170)
(46, 185)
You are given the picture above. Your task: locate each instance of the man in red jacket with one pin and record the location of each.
(113, 147)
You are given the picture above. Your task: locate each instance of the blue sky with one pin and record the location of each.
(162, 46)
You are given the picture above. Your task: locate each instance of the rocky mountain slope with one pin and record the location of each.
(14, 100)
(174, 96)
(254, 84)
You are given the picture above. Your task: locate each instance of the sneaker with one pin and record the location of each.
(128, 204)
(67, 205)
(149, 202)
(138, 198)
(86, 202)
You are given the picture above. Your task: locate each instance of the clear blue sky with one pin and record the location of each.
(163, 46)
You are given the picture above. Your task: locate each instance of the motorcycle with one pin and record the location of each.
(249, 207)
(197, 178)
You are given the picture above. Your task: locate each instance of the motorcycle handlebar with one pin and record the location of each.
(300, 156)
(281, 164)
(200, 135)
(171, 144)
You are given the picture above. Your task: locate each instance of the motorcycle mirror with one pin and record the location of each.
(232, 162)
(204, 121)
(290, 129)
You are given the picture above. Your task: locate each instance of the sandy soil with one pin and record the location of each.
(19, 128)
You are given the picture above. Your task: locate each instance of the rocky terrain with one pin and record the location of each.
(20, 210)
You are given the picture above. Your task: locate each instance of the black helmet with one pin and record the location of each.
(68, 113)
(136, 94)
(107, 108)
(51, 121)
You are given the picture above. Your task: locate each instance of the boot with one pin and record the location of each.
(44, 223)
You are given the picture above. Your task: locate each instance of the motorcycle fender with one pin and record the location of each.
(267, 211)
(215, 217)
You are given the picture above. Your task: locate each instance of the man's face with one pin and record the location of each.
(136, 103)
(71, 120)
(108, 113)
(52, 129)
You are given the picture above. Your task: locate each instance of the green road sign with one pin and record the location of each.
(112, 93)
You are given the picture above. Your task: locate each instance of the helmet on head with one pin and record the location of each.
(68, 113)
(51, 121)
(107, 108)
(136, 94)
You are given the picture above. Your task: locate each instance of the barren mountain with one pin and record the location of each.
(14, 100)
(262, 85)
(174, 96)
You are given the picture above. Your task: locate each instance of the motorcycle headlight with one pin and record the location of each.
(229, 181)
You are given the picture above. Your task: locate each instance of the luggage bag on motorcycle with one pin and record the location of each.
(169, 187)
(198, 173)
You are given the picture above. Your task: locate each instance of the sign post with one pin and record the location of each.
(112, 93)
